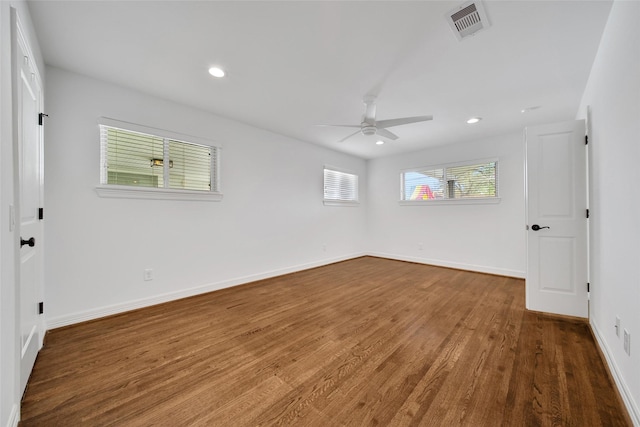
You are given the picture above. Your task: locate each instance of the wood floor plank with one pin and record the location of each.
(368, 341)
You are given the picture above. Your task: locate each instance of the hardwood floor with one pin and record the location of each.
(364, 342)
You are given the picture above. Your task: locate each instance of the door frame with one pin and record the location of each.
(589, 167)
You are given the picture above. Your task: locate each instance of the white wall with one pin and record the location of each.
(486, 237)
(613, 93)
(9, 335)
(271, 220)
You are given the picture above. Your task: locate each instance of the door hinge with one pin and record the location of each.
(586, 140)
(40, 307)
(587, 213)
(41, 117)
(588, 287)
(41, 214)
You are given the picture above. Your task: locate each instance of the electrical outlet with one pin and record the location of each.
(419, 246)
(618, 326)
(324, 248)
(627, 342)
(148, 274)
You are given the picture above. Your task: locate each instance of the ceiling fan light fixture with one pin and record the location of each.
(379, 142)
(217, 72)
(369, 130)
(474, 120)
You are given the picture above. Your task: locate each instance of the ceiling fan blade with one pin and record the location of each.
(342, 126)
(383, 132)
(349, 136)
(403, 121)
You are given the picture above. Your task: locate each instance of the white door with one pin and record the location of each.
(556, 219)
(29, 182)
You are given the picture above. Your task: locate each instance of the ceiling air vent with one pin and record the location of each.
(468, 19)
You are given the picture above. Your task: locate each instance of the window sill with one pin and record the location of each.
(127, 192)
(440, 202)
(340, 203)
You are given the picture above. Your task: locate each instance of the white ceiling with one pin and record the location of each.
(293, 65)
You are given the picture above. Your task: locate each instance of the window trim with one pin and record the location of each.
(452, 201)
(153, 193)
(332, 202)
(339, 203)
(442, 202)
(128, 192)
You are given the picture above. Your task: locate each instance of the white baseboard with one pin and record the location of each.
(457, 265)
(14, 417)
(96, 313)
(631, 406)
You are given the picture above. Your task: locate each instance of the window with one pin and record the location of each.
(456, 182)
(150, 163)
(340, 187)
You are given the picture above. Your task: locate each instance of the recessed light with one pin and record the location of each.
(473, 120)
(379, 142)
(216, 72)
(529, 109)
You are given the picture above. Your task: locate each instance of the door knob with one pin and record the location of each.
(536, 227)
(31, 242)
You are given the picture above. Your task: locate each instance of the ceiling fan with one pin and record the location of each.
(370, 126)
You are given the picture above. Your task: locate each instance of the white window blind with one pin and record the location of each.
(472, 181)
(139, 159)
(464, 181)
(340, 186)
(190, 166)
